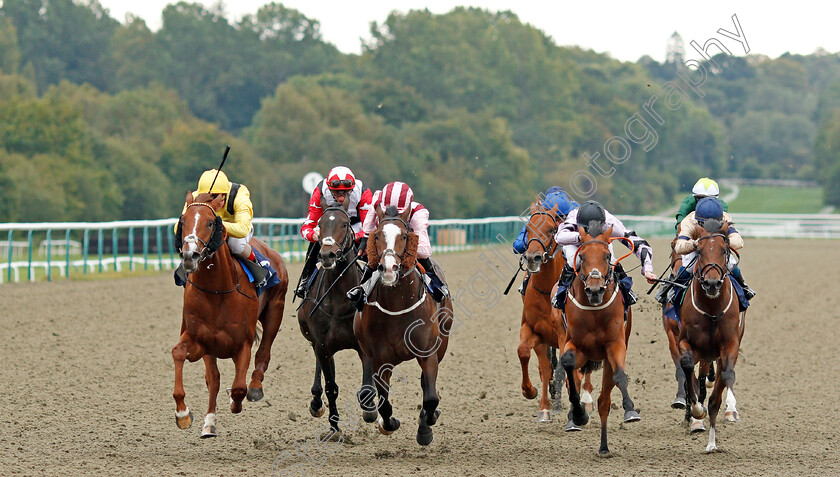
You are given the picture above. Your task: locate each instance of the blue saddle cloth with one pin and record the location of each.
(271, 277)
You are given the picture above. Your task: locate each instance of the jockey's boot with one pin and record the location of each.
(308, 268)
(739, 277)
(563, 283)
(625, 284)
(358, 293)
(662, 293)
(439, 289)
(260, 274)
(524, 285)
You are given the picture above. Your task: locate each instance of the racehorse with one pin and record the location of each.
(401, 321)
(540, 328)
(596, 330)
(221, 310)
(712, 326)
(326, 315)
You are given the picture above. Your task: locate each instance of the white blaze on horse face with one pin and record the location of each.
(389, 262)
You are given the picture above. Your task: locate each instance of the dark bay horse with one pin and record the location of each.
(712, 326)
(326, 315)
(401, 321)
(221, 310)
(596, 331)
(540, 329)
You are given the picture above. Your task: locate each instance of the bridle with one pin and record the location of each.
(392, 252)
(346, 247)
(555, 247)
(595, 273)
(723, 270)
(203, 253)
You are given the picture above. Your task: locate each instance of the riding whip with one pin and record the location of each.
(224, 158)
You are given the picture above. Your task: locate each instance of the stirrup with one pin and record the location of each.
(632, 298)
(300, 291)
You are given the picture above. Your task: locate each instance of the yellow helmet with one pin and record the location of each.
(221, 186)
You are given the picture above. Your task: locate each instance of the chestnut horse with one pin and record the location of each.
(326, 315)
(712, 326)
(596, 330)
(401, 321)
(540, 329)
(221, 310)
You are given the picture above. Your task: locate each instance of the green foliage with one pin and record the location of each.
(777, 200)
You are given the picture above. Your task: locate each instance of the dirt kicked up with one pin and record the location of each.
(87, 379)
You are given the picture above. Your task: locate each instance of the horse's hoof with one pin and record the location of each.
(709, 384)
(235, 407)
(394, 421)
(632, 416)
(208, 431)
(184, 421)
(319, 412)
(368, 416)
(333, 435)
(582, 420)
(679, 403)
(572, 427)
(544, 415)
(588, 407)
(698, 411)
(254, 394)
(425, 436)
(732, 416)
(604, 453)
(430, 421)
(711, 448)
(696, 426)
(531, 395)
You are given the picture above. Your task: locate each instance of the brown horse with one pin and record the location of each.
(540, 329)
(401, 321)
(596, 331)
(705, 369)
(326, 315)
(712, 326)
(221, 310)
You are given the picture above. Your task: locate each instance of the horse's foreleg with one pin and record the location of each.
(367, 393)
(604, 401)
(330, 386)
(616, 355)
(316, 406)
(429, 414)
(571, 360)
(726, 379)
(241, 361)
(586, 390)
(731, 414)
(714, 407)
(387, 423)
(183, 416)
(213, 380)
(544, 415)
(271, 319)
(702, 374)
(559, 380)
(527, 340)
(687, 363)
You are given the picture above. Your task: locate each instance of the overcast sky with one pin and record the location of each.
(625, 30)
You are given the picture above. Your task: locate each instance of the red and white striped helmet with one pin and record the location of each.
(341, 178)
(398, 194)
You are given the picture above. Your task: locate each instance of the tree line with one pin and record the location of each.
(102, 120)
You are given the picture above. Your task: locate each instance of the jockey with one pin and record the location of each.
(704, 187)
(236, 215)
(708, 208)
(339, 186)
(555, 196)
(399, 195)
(569, 237)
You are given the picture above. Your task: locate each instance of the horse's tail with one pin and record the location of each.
(591, 366)
(258, 334)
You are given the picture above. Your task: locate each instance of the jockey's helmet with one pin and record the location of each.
(708, 208)
(556, 196)
(398, 194)
(341, 178)
(705, 187)
(220, 186)
(590, 211)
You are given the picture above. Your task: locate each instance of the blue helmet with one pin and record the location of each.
(708, 208)
(556, 196)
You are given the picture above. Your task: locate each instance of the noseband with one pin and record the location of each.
(346, 245)
(594, 273)
(203, 254)
(392, 252)
(547, 254)
(723, 270)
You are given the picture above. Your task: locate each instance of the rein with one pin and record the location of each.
(410, 308)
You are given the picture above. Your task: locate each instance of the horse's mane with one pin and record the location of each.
(712, 225)
(392, 211)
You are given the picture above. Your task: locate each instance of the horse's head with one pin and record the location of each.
(200, 231)
(712, 256)
(594, 265)
(542, 225)
(336, 234)
(396, 245)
